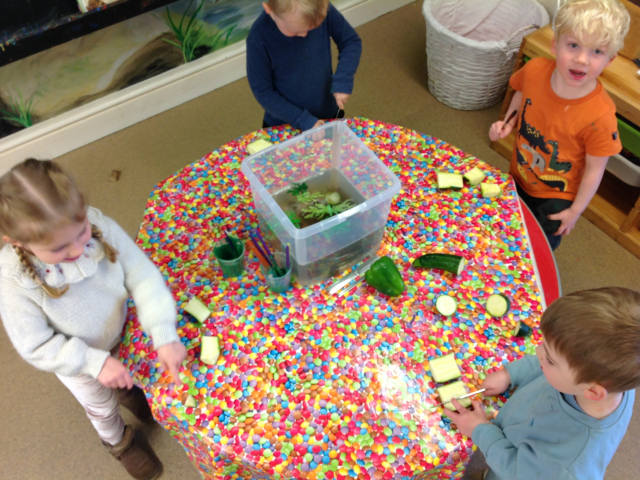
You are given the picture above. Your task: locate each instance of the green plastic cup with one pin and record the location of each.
(231, 263)
(281, 283)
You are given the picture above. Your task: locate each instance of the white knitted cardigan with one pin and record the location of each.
(72, 335)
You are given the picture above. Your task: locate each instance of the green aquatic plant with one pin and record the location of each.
(319, 211)
(20, 113)
(294, 219)
(189, 38)
(308, 197)
(298, 189)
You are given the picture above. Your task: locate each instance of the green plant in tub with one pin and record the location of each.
(319, 210)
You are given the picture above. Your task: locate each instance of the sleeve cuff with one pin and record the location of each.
(485, 435)
(305, 121)
(163, 335)
(342, 87)
(93, 362)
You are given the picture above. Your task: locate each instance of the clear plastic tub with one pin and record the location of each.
(327, 157)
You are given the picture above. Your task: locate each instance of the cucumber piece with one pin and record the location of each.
(260, 144)
(444, 368)
(444, 261)
(474, 176)
(453, 390)
(446, 305)
(197, 309)
(490, 190)
(522, 330)
(497, 305)
(190, 402)
(450, 180)
(209, 350)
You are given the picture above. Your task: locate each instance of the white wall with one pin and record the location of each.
(551, 6)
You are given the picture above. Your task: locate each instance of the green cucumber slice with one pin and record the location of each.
(497, 305)
(444, 261)
(490, 190)
(450, 180)
(444, 368)
(446, 305)
(197, 309)
(522, 330)
(209, 350)
(474, 176)
(453, 390)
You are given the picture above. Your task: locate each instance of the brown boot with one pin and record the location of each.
(135, 401)
(139, 463)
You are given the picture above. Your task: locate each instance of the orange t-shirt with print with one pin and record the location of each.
(554, 135)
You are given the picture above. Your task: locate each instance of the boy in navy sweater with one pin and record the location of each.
(289, 62)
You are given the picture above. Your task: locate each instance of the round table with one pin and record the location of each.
(317, 387)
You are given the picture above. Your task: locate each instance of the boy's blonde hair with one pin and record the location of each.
(596, 22)
(312, 11)
(598, 333)
(36, 198)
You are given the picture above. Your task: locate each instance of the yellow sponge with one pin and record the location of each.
(258, 145)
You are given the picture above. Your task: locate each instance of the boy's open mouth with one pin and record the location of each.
(577, 73)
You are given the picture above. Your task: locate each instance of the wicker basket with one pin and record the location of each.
(470, 69)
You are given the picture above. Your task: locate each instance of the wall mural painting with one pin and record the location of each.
(72, 74)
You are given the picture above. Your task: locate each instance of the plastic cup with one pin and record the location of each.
(278, 284)
(230, 262)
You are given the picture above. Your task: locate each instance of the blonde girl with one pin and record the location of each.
(66, 273)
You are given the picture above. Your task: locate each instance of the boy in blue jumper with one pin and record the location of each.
(574, 399)
(289, 62)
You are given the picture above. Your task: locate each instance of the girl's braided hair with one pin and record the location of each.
(36, 198)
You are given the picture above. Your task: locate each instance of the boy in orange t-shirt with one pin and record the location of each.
(566, 122)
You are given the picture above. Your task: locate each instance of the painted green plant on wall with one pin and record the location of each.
(20, 112)
(189, 39)
(192, 40)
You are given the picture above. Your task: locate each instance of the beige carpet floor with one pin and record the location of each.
(44, 433)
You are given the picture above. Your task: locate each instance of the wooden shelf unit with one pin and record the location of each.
(615, 208)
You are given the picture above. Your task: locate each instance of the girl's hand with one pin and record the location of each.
(499, 130)
(496, 383)
(467, 420)
(341, 99)
(171, 357)
(115, 375)
(568, 219)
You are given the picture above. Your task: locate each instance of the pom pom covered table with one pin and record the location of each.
(317, 387)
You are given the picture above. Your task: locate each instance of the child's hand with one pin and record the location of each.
(115, 375)
(467, 420)
(317, 136)
(496, 383)
(171, 357)
(341, 99)
(568, 219)
(499, 130)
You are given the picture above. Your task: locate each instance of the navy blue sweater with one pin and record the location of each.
(292, 77)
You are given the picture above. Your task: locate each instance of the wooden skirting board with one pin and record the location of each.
(119, 110)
